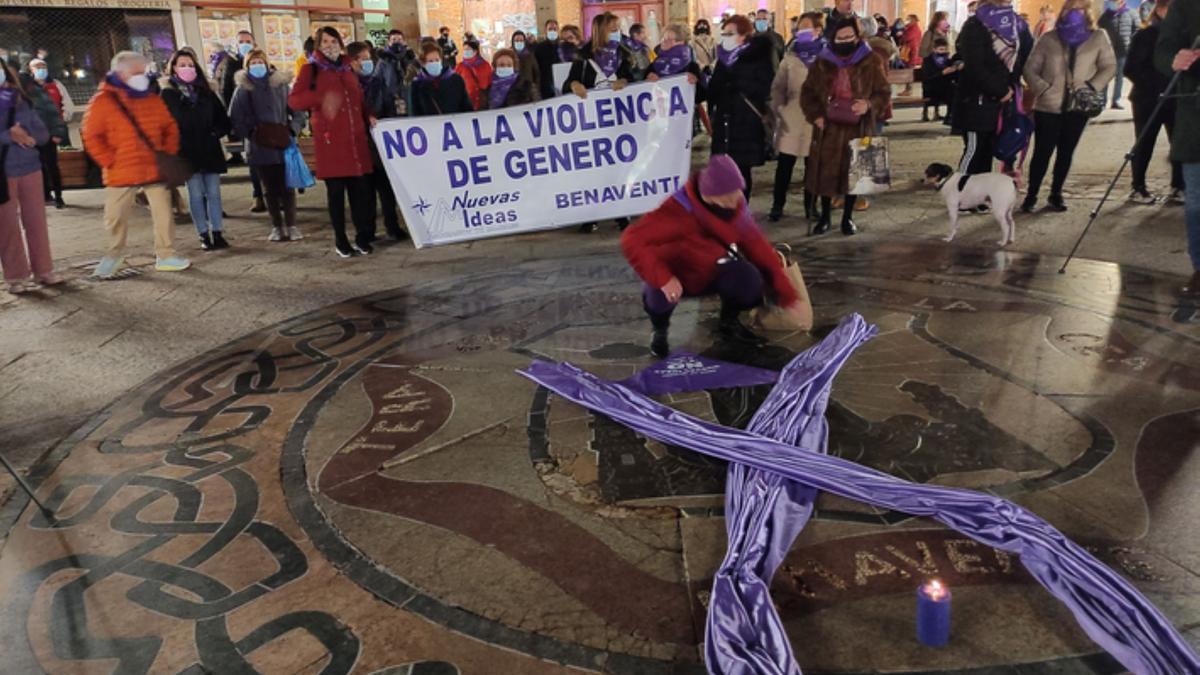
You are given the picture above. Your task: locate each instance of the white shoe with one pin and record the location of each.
(1176, 196)
(1141, 197)
(294, 234)
(277, 234)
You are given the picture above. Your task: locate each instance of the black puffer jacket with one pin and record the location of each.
(737, 99)
(984, 80)
(202, 124)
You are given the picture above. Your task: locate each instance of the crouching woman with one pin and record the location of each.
(703, 241)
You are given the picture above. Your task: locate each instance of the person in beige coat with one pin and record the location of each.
(1072, 56)
(793, 133)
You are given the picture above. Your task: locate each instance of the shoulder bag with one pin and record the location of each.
(1084, 100)
(174, 169)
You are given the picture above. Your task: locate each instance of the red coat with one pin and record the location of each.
(673, 241)
(478, 78)
(911, 38)
(339, 118)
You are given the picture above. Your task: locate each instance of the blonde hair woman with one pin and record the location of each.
(1071, 57)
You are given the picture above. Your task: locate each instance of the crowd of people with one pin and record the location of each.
(799, 100)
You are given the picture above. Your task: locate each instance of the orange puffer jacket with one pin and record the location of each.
(111, 140)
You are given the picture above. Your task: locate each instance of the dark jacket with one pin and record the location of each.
(443, 96)
(1148, 83)
(737, 100)
(1178, 31)
(449, 52)
(395, 72)
(777, 46)
(583, 71)
(984, 80)
(1120, 28)
(44, 106)
(232, 65)
(22, 161)
(202, 124)
(253, 103)
(380, 91)
(527, 66)
(546, 53)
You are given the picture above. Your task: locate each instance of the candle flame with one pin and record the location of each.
(935, 590)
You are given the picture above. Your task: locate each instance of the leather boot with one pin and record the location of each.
(733, 329)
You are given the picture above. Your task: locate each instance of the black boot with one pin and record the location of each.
(823, 222)
(218, 239)
(206, 242)
(809, 211)
(733, 329)
(776, 213)
(659, 346)
(848, 227)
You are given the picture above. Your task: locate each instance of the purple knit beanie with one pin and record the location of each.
(721, 177)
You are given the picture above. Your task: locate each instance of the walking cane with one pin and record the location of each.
(1162, 99)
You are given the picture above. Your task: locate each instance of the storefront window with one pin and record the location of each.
(285, 42)
(342, 24)
(221, 27)
(377, 23)
(80, 43)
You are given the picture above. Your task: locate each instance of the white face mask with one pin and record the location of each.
(730, 43)
(551, 35)
(138, 83)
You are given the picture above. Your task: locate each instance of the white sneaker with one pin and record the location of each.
(277, 234)
(294, 234)
(1176, 196)
(1141, 197)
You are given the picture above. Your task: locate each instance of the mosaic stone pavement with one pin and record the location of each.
(370, 488)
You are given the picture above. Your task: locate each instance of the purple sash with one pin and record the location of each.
(672, 61)
(499, 91)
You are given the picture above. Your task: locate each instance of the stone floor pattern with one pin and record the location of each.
(370, 488)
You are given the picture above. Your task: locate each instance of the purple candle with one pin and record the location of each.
(933, 614)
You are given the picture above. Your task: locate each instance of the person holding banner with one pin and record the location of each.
(509, 87)
(738, 93)
(329, 89)
(380, 88)
(476, 73)
(602, 64)
(438, 90)
(845, 93)
(703, 241)
(673, 56)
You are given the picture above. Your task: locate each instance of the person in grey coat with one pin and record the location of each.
(261, 99)
(1120, 22)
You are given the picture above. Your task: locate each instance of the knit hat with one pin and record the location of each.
(721, 177)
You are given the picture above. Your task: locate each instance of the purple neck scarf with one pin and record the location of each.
(324, 63)
(730, 57)
(567, 52)
(607, 57)
(807, 47)
(187, 89)
(672, 61)
(862, 52)
(1073, 28)
(115, 80)
(474, 61)
(499, 91)
(426, 77)
(1000, 19)
(635, 45)
(8, 98)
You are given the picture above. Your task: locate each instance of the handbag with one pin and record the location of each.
(295, 171)
(272, 135)
(1085, 100)
(1013, 132)
(175, 170)
(841, 111)
(4, 196)
(772, 317)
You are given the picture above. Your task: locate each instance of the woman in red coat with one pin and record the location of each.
(703, 241)
(329, 89)
(910, 47)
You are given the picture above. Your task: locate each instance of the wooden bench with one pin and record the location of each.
(74, 166)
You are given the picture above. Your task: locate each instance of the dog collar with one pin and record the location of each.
(942, 183)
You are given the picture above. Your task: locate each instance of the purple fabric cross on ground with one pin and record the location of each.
(777, 466)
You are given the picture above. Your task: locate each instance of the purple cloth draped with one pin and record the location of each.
(808, 47)
(499, 90)
(728, 57)
(8, 98)
(608, 58)
(1073, 28)
(672, 61)
(684, 371)
(862, 52)
(1000, 19)
(187, 88)
(1107, 607)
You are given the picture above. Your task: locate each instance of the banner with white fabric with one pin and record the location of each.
(539, 166)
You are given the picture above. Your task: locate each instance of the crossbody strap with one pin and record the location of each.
(136, 127)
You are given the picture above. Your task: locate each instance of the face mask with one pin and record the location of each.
(701, 30)
(258, 70)
(505, 71)
(367, 67)
(398, 46)
(332, 53)
(721, 212)
(805, 35)
(730, 43)
(551, 35)
(468, 53)
(244, 48)
(614, 36)
(844, 48)
(434, 68)
(41, 73)
(186, 73)
(3, 76)
(519, 46)
(760, 25)
(138, 83)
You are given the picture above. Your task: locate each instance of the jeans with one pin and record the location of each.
(1054, 135)
(1145, 151)
(1118, 81)
(362, 208)
(204, 197)
(1191, 210)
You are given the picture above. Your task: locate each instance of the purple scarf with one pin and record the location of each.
(567, 52)
(807, 47)
(608, 57)
(323, 62)
(8, 98)
(1000, 19)
(116, 81)
(672, 61)
(1073, 30)
(730, 57)
(635, 45)
(499, 91)
(474, 61)
(186, 88)
(426, 77)
(863, 51)
(216, 59)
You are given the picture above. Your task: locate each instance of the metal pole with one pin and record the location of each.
(1162, 100)
(24, 486)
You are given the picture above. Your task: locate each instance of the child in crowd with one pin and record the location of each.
(939, 73)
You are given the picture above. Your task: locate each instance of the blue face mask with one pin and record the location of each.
(434, 69)
(519, 46)
(258, 70)
(614, 36)
(3, 76)
(41, 73)
(367, 67)
(244, 48)
(505, 72)
(760, 25)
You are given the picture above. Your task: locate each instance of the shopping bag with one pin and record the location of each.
(296, 172)
(870, 167)
(771, 317)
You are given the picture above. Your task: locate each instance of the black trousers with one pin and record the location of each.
(362, 208)
(746, 176)
(1145, 151)
(281, 202)
(256, 182)
(51, 176)
(1054, 135)
(387, 201)
(785, 166)
(977, 152)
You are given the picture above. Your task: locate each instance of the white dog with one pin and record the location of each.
(968, 192)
